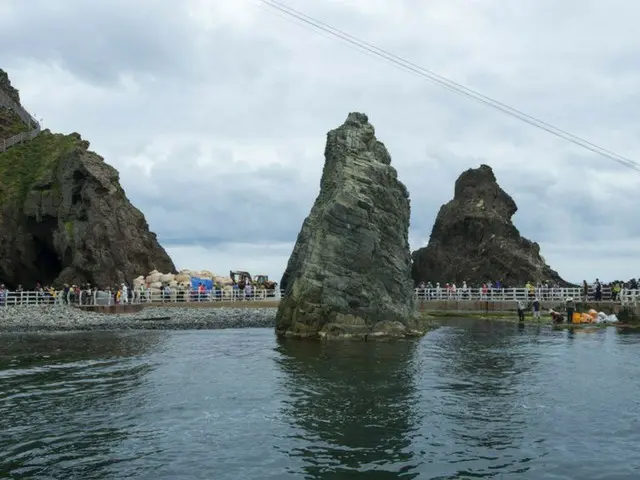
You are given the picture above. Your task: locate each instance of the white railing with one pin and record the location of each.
(496, 295)
(107, 297)
(32, 123)
(95, 297)
(19, 138)
(546, 293)
(625, 296)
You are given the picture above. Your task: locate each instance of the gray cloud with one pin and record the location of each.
(216, 112)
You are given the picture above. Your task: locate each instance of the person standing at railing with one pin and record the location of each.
(598, 290)
(615, 291)
(430, 294)
(124, 293)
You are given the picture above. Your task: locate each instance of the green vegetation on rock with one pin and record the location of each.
(68, 226)
(10, 124)
(23, 165)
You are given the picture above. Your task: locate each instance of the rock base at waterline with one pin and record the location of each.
(352, 327)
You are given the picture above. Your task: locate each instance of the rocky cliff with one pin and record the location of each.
(6, 87)
(349, 273)
(64, 216)
(10, 123)
(474, 239)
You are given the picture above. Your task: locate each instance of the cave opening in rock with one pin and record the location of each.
(47, 263)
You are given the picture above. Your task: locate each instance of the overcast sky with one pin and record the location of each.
(215, 112)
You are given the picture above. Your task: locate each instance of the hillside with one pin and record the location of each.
(64, 217)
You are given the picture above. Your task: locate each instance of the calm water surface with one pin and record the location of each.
(470, 400)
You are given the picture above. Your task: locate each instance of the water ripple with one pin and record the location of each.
(470, 400)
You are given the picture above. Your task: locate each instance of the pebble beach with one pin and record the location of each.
(64, 318)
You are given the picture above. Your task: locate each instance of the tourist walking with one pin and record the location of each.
(520, 311)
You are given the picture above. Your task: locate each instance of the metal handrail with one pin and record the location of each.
(148, 296)
(25, 116)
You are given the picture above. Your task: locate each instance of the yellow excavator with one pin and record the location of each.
(260, 281)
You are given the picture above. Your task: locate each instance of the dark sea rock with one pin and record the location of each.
(474, 239)
(349, 273)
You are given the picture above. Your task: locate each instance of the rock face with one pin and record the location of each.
(10, 123)
(64, 218)
(474, 240)
(349, 273)
(6, 87)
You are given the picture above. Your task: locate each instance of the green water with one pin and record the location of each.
(470, 400)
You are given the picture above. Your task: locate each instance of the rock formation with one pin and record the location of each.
(64, 218)
(349, 273)
(474, 240)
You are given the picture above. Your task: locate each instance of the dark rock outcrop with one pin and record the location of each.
(6, 87)
(474, 240)
(10, 123)
(64, 218)
(349, 273)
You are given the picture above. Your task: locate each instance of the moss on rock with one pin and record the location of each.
(22, 166)
(10, 124)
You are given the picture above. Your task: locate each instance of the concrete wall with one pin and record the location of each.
(477, 306)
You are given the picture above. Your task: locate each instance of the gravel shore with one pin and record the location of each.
(64, 318)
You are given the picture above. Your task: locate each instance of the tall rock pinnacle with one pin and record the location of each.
(349, 273)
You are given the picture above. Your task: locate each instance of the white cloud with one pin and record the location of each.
(215, 112)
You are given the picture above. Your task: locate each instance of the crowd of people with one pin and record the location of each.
(87, 294)
(596, 291)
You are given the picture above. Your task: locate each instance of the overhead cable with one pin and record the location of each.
(451, 85)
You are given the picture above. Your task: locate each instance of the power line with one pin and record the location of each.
(397, 61)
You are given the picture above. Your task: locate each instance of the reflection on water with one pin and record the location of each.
(479, 380)
(472, 399)
(58, 395)
(354, 404)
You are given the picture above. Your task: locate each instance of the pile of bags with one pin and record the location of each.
(593, 316)
(182, 281)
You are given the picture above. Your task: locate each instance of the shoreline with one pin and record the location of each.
(69, 319)
(205, 316)
(529, 320)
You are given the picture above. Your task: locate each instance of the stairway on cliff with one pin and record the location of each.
(16, 124)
